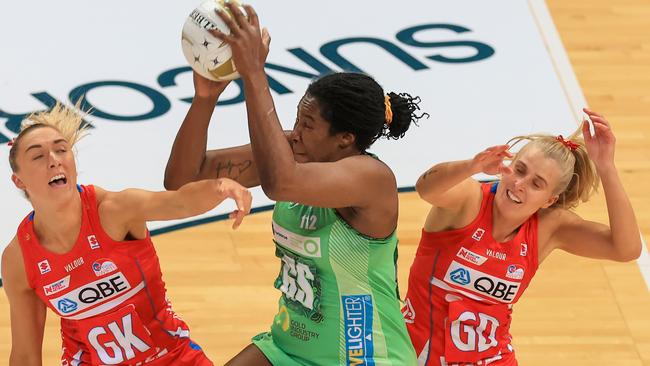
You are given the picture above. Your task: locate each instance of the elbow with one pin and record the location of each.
(423, 193)
(170, 185)
(279, 185)
(171, 181)
(419, 188)
(272, 191)
(630, 255)
(277, 190)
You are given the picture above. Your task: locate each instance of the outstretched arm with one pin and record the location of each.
(128, 211)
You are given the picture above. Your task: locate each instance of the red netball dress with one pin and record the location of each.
(462, 286)
(110, 297)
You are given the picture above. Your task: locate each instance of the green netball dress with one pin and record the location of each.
(339, 303)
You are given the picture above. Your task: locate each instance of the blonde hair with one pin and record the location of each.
(68, 121)
(578, 179)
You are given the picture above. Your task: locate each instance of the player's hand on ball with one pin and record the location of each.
(249, 45)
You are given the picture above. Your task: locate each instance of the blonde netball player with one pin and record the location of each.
(86, 254)
(482, 243)
(335, 219)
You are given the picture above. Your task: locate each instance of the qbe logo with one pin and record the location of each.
(460, 276)
(357, 315)
(86, 296)
(481, 283)
(66, 306)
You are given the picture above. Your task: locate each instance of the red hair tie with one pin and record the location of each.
(568, 143)
(12, 142)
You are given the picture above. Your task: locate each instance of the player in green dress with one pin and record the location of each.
(336, 213)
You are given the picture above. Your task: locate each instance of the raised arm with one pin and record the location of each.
(449, 185)
(350, 182)
(27, 311)
(620, 241)
(189, 161)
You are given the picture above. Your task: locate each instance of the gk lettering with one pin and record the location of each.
(127, 342)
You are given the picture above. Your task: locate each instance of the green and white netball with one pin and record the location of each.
(206, 54)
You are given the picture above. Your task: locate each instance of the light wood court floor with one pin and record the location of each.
(576, 312)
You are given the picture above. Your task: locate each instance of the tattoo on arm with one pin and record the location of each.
(232, 170)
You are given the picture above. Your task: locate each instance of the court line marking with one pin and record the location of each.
(573, 91)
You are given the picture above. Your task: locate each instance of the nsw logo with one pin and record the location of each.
(44, 266)
(514, 271)
(103, 266)
(460, 276)
(66, 306)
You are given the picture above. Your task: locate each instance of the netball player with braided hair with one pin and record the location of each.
(86, 253)
(336, 213)
(482, 243)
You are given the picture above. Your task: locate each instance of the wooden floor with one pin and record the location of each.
(576, 312)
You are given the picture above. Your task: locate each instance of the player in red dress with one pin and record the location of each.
(86, 254)
(482, 243)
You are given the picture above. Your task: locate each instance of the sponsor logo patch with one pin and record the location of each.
(306, 245)
(460, 276)
(66, 305)
(524, 250)
(481, 283)
(478, 234)
(103, 266)
(514, 271)
(92, 293)
(357, 315)
(44, 266)
(57, 286)
(470, 256)
(92, 241)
